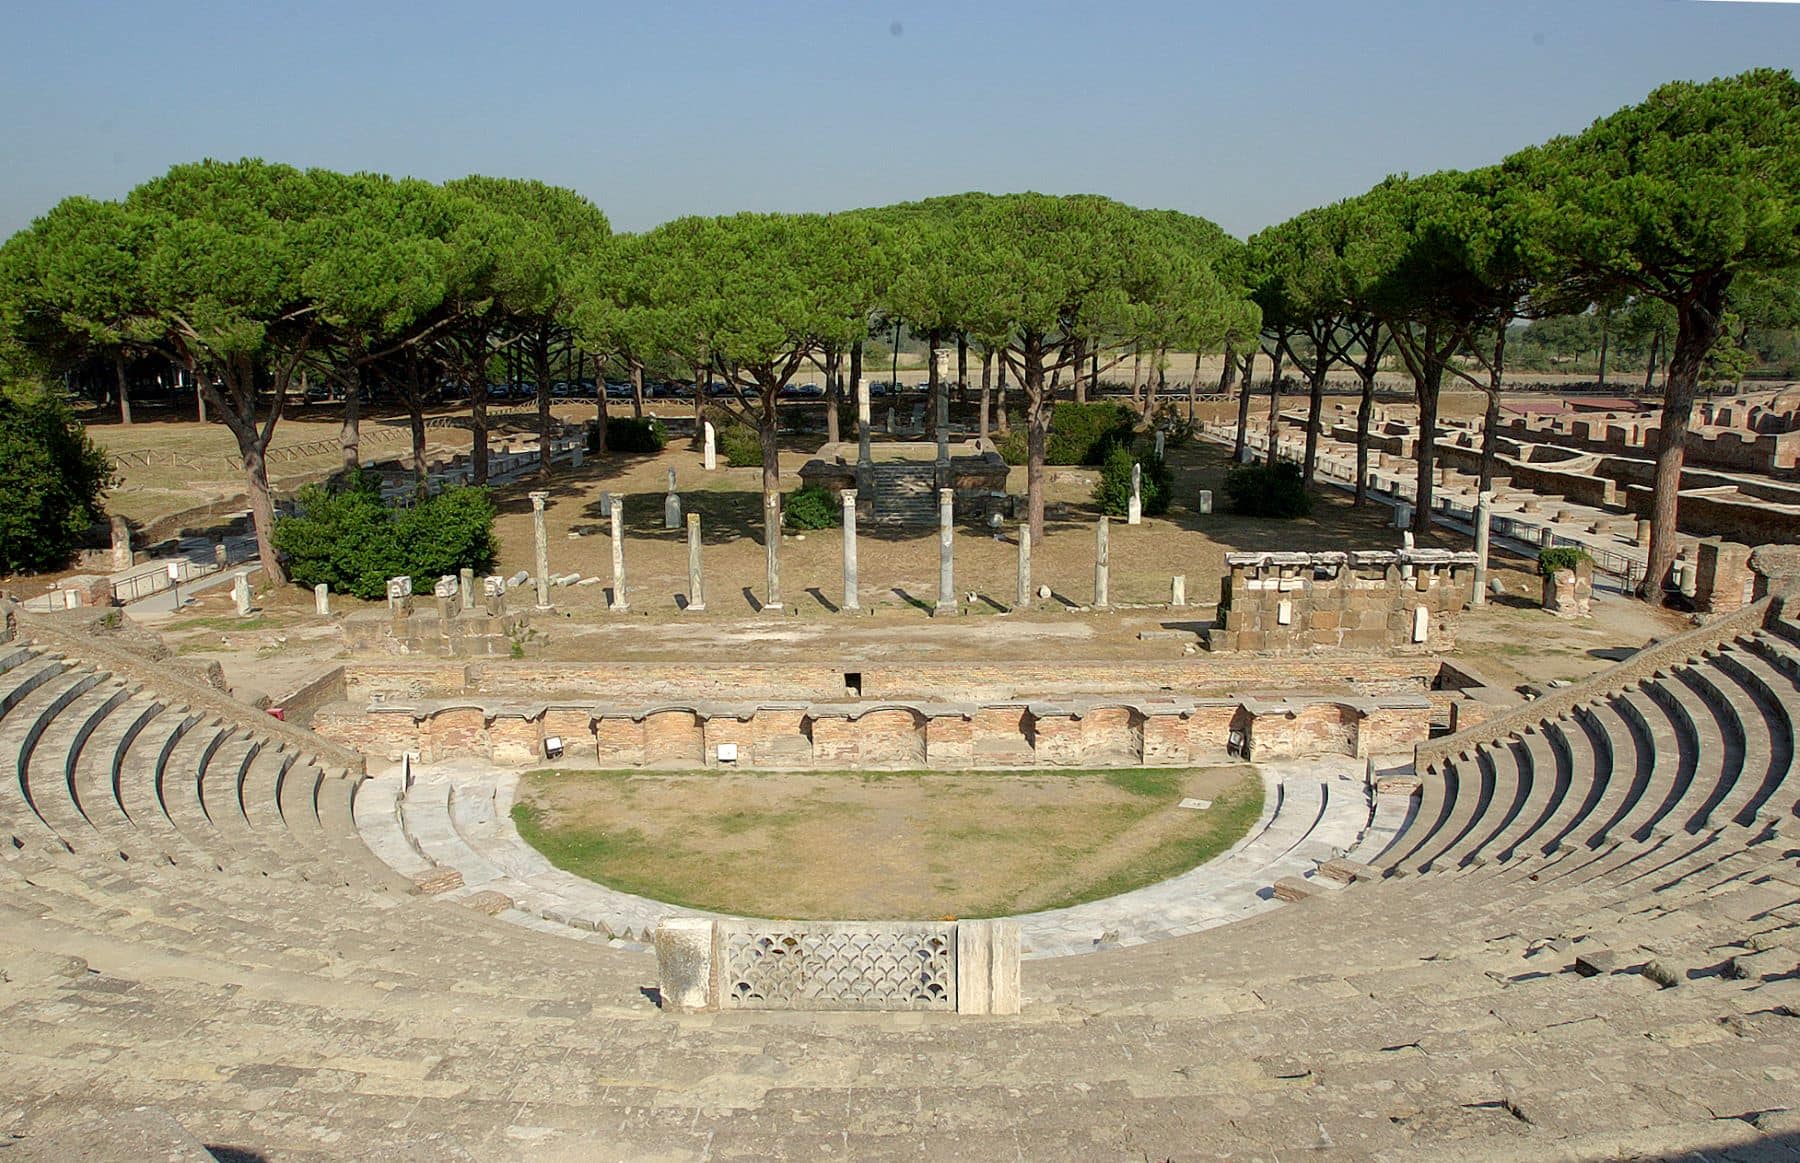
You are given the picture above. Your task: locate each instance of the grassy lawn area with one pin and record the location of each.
(883, 845)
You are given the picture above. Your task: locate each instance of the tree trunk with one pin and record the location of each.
(1315, 405)
(253, 449)
(1194, 390)
(1243, 423)
(637, 387)
(415, 414)
(1037, 431)
(932, 384)
(200, 397)
(350, 435)
(702, 381)
(1081, 384)
(1650, 371)
(1490, 436)
(962, 368)
(600, 404)
(1228, 377)
(987, 383)
(124, 388)
(1137, 376)
(478, 420)
(541, 369)
(834, 396)
(1274, 405)
(854, 387)
(1426, 448)
(1159, 376)
(1605, 337)
(1001, 420)
(1697, 326)
(1365, 411)
(768, 432)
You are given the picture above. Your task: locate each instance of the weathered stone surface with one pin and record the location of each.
(684, 959)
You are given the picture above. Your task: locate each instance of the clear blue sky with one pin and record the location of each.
(1242, 112)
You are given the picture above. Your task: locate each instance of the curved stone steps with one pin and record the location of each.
(91, 775)
(1779, 699)
(146, 755)
(1617, 780)
(1488, 774)
(177, 785)
(218, 786)
(333, 806)
(47, 767)
(1437, 799)
(1583, 757)
(1716, 763)
(27, 708)
(377, 812)
(1660, 763)
(1747, 739)
(1514, 785)
(1389, 815)
(1545, 769)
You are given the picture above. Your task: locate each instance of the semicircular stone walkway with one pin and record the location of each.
(457, 818)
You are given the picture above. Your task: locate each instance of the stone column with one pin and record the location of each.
(1101, 599)
(772, 549)
(322, 600)
(709, 450)
(1134, 508)
(672, 505)
(465, 580)
(849, 499)
(1022, 600)
(543, 549)
(1642, 537)
(618, 555)
(862, 422)
(1484, 514)
(946, 599)
(1178, 590)
(121, 544)
(1206, 501)
(240, 592)
(696, 591)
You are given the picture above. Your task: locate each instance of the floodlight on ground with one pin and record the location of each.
(727, 753)
(553, 747)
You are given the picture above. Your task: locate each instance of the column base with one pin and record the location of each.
(944, 608)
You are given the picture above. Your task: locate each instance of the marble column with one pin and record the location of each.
(849, 499)
(772, 549)
(1022, 600)
(1101, 532)
(946, 600)
(543, 549)
(1484, 513)
(618, 556)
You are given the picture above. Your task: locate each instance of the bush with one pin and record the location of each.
(352, 542)
(1113, 490)
(739, 445)
(51, 490)
(813, 507)
(1257, 490)
(643, 434)
(1079, 434)
(1558, 557)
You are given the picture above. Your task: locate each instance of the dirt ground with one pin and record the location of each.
(913, 846)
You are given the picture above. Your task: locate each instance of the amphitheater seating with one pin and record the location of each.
(1585, 947)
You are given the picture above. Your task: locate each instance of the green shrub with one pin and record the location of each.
(1257, 490)
(641, 434)
(51, 490)
(1079, 434)
(1113, 490)
(1558, 557)
(739, 445)
(813, 507)
(351, 541)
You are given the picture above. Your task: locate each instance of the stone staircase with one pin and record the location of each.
(905, 494)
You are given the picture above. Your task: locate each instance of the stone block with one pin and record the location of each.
(684, 961)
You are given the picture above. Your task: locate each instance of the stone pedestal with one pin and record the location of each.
(1642, 537)
(493, 589)
(541, 540)
(240, 592)
(322, 600)
(696, 591)
(1722, 576)
(1205, 502)
(709, 448)
(848, 497)
(121, 544)
(672, 505)
(1134, 508)
(1568, 593)
(1178, 590)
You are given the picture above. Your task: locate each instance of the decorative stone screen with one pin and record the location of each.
(838, 966)
(966, 967)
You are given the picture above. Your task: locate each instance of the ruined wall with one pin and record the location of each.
(1283, 603)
